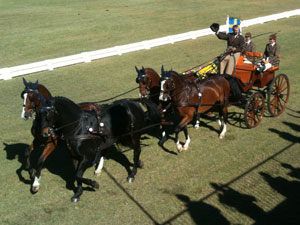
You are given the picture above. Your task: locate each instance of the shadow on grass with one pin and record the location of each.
(287, 212)
(17, 151)
(243, 203)
(203, 213)
(286, 135)
(290, 111)
(252, 210)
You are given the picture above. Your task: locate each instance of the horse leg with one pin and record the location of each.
(99, 167)
(27, 155)
(163, 138)
(222, 120)
(35, 144)
(187, 138)
(197, 125)
(136, 160)
(182, 125)
(49, 148)
(83, 165)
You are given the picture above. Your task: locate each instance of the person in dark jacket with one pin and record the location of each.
(235, 43)
(248, 46)
(271, 54)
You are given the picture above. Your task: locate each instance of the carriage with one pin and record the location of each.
(261, 88)
(258, 88)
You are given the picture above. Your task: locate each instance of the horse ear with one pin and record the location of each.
(36, 84)
(137, 70)
(25, 82)
(143, 69)
(162, 70)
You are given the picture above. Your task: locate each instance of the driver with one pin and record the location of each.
(235, 43)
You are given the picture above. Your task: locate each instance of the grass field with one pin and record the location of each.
(34, 30)
(258, 167)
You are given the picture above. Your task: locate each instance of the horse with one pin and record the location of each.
(88, 133)
(32, 95)
(195, 97)
(149, 87)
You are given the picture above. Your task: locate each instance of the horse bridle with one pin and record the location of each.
(168, 91)
(141, 79)
(30, 91)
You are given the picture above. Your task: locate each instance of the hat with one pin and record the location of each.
(248, 35)
(215, 27)
(273, 36)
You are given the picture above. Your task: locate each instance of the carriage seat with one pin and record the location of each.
(240, 65)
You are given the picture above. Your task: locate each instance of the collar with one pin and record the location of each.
(248, 42)
(273, 44)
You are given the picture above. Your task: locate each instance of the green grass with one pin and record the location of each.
(32, 30)
(238, 160)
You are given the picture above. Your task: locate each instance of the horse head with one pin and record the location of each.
(166, 85)
(31, 95)
(144, 81)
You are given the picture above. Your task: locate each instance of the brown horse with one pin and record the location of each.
(32, 95)
(195, 97)
(149, 87)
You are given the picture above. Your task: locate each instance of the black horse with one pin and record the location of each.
(88, 133)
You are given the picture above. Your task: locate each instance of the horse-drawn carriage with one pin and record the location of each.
(257, 87)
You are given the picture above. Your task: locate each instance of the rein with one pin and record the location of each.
(106, 100)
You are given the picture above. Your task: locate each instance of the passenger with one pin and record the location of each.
(235, 43)
(271, 54)
(248, 46)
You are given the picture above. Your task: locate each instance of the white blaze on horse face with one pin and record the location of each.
(161, 95)
(23, 109)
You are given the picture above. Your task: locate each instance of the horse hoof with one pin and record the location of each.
(185, 148)
(161, 143)
(35, 189)
(221, 136)
(95, 185)
(130, 179)
(141, 164)
(179, 148)
(74, 199)
(98, 174)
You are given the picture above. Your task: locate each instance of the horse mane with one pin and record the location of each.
(65, 102)
(41, 88)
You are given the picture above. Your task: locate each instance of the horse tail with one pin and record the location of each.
(153, 114)
(235, 91)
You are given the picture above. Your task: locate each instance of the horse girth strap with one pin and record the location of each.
(84, 137)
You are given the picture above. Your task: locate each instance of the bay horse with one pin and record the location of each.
(88, 133)
(195, 97)
(32, 103)
(149, 82)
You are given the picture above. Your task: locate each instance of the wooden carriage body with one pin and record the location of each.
(249, 77)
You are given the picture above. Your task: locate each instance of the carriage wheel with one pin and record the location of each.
(254, 110)
(278, 94)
